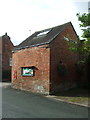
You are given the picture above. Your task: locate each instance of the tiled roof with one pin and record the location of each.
(42, 37)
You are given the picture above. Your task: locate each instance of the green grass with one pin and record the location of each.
(76, 95)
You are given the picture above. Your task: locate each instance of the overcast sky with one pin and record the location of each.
(21, 18)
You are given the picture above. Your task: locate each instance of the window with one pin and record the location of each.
(44, 32)
(27, 71)
(65, 38)
(10, 62)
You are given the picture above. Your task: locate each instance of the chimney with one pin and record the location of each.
(6, 34)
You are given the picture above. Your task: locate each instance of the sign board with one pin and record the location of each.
(27, 71)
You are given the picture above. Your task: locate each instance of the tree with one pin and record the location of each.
(82, 47)
(85, 23)
(77, 46)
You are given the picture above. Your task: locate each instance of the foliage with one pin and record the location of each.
(84, 19)
(80, 68)
(82, 47)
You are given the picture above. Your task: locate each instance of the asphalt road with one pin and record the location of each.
(20, 104)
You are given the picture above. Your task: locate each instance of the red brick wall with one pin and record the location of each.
(7, 47)
(0, 58)
(35, 56)
(0, 53)
(59, 51)
(0, 45)
(46, 58)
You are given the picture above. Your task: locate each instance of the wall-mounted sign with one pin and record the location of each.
(15, 74)
(27, 71)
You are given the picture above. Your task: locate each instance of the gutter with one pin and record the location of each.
(30, 46)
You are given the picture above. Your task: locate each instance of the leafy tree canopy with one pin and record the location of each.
(84, 19)
(83, 48)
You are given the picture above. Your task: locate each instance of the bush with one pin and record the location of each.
(80, 68)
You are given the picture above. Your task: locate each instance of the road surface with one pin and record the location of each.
(21, 104)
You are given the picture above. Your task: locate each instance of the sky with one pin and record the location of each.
(21, 18)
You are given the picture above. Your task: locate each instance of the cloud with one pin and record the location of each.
(20, 16)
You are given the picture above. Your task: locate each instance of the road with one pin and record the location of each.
(21, 104)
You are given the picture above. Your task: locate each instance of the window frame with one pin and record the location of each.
(27, 75)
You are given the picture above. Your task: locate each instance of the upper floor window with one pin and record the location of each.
(44, 32)
(10, 62)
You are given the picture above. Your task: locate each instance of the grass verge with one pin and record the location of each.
(76, 95)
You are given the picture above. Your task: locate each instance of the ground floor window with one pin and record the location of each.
(27, 71)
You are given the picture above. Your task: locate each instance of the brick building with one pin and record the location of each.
(36, 60)
(6, 47)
